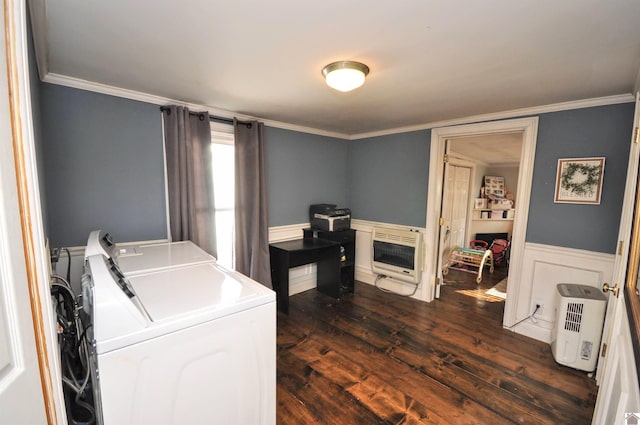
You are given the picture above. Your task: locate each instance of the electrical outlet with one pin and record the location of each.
(540, 308)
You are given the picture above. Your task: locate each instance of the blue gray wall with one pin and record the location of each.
(388, 178)
(104, 166)
(602, 131)
(303, 169)
(104, 169)
(34, 88)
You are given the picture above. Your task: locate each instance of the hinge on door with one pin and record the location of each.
(636, 135)
(604, 350)
(620, 245)
(446, 157)
(441, 221)
(437, 281)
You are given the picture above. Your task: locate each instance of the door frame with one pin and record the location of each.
(529, 128)
(35, 250)
(616, 361)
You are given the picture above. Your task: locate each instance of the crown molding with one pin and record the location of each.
(38, 18)
(78, 83)
(555, 107)
(63, 80)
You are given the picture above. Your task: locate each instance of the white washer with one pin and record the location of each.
(140, 258)
(189, 345)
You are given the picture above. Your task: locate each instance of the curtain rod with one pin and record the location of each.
(211, 117)
(224, 120)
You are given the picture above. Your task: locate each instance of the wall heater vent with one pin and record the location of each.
(397, 253)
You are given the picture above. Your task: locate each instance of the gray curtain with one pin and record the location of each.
(189, 177)
(252, 239)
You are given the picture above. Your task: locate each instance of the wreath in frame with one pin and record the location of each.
(579, 180)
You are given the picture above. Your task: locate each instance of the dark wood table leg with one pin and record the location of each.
(280, 279)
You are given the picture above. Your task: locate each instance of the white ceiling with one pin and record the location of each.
(502, 149)
(430, 60)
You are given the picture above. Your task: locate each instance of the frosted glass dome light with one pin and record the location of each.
(345, 75)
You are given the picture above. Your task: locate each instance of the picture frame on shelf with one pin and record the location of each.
(579, 180)
(480, 203)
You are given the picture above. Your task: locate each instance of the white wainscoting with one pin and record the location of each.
(544, 267)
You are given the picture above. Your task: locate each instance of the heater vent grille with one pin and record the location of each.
(408, 239)
(397, 253)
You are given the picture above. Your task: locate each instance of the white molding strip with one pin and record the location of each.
(286, 233)
(516, 113)
(78, 83)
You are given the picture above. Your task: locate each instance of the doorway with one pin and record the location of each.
(486, 205)
(455, 201)
(527, 128)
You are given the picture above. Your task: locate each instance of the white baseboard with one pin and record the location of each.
(540, 331)
(365, 275)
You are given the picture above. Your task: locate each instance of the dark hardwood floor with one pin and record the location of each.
(378, 358)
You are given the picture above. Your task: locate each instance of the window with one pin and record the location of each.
(222, 149)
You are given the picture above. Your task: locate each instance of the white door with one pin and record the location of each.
(460, 204)
(21, 394)
(616, 374)
(455, 207)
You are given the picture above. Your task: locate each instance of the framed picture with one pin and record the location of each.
(494, 185)
(480, 203)
(579, 180)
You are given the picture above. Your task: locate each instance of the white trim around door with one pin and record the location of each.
(529, 128)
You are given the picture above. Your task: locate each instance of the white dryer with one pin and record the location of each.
(188, 345)
(140, 258)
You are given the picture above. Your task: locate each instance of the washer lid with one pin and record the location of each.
(167, 301)
(194, 290)
(143, 258)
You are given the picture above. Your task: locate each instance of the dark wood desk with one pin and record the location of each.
(288, 254)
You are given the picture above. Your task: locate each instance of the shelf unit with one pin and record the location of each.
(507, 215)
(347, 240)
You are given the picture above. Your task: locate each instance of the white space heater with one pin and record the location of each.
(397, 253)
(575, 337)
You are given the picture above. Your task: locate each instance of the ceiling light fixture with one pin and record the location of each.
(345, 75)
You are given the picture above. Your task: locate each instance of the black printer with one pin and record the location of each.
(329, 217)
